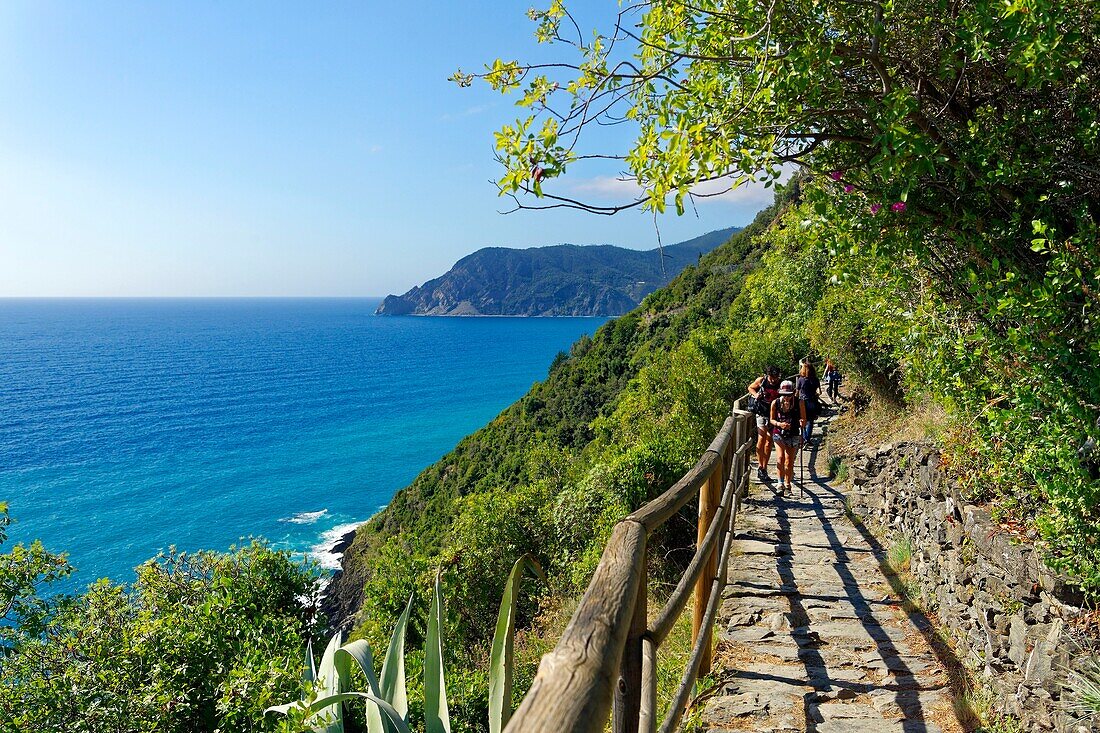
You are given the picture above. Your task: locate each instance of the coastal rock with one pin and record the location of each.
(344, 542)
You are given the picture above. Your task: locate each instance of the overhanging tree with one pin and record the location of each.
(954, 147)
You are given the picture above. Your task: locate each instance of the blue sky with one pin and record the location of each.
(265, 148)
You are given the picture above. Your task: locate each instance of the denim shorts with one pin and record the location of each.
(791, 442)
(762, 422)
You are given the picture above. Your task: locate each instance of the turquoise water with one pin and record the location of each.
(127, 426)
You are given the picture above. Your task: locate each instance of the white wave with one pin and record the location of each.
(305, 517)
(323, 553)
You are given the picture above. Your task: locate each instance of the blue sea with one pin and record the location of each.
(127, 426)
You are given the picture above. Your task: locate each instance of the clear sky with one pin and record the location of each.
(268, 148)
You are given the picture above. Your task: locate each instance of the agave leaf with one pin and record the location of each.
(329, 719)
(437, 718)
(358, 652)
(393, 667)
(327, 674)
(394, 717)
(501, 662)
(285, 707)
(310, 672)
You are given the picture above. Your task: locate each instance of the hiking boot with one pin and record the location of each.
(762, 474)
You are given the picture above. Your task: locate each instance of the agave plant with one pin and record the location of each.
(501, 660)
(386, 699)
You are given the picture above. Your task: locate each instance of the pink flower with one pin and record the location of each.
(875, 208)
(849, 188)
(836, 175)
(898, 207)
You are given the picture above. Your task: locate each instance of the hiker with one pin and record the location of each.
(832, 381)
(764, 390)
(788, 417)
(808, 387)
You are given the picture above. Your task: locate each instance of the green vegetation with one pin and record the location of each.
(1084, 688)
(838, 469)
(24, 572)
(900, 555)
(199, 642)
(978, 708)
(953, 195)
(942, 245)
(333, 682)
(559, 280)
(346, 667)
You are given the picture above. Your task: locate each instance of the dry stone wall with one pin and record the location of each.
(1015, 623)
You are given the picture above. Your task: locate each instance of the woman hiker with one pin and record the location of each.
(788, 417)
(764, 389)
(808, 387)
(832, 381)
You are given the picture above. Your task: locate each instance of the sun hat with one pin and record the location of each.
(787, 387)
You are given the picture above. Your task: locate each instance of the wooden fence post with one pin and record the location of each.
(710, 494)
(628, 690)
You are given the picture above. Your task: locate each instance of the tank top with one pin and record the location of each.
(789, 416)
(768, 391)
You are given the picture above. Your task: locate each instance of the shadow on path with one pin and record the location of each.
(906, 696)
(945, 655)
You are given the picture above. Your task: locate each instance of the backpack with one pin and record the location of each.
(809, 398)
(761, 405)
(813, 409)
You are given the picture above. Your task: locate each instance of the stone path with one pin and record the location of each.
(810, 636)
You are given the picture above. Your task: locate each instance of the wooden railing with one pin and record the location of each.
(607, 656)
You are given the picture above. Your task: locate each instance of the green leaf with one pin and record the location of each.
(285, 707)
(309, 672)
(385, 707)
(501, 661)
(359, 652)
(437, 718)
(328, 678)
(393, 667)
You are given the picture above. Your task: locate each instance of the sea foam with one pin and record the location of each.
(323, 552)
(305, 517)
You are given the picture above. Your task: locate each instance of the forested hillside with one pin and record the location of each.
(542, 442)
(953, 156)
(617, 419)
(560, 280)
(943, 247)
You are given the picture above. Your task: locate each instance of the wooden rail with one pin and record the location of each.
(607, 657)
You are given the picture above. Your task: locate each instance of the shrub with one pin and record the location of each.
(198, 642)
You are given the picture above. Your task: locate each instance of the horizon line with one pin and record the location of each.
(192, 297)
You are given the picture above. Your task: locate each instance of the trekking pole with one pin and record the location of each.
(801, 466)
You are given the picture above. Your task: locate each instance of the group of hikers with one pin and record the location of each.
(785, 414)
